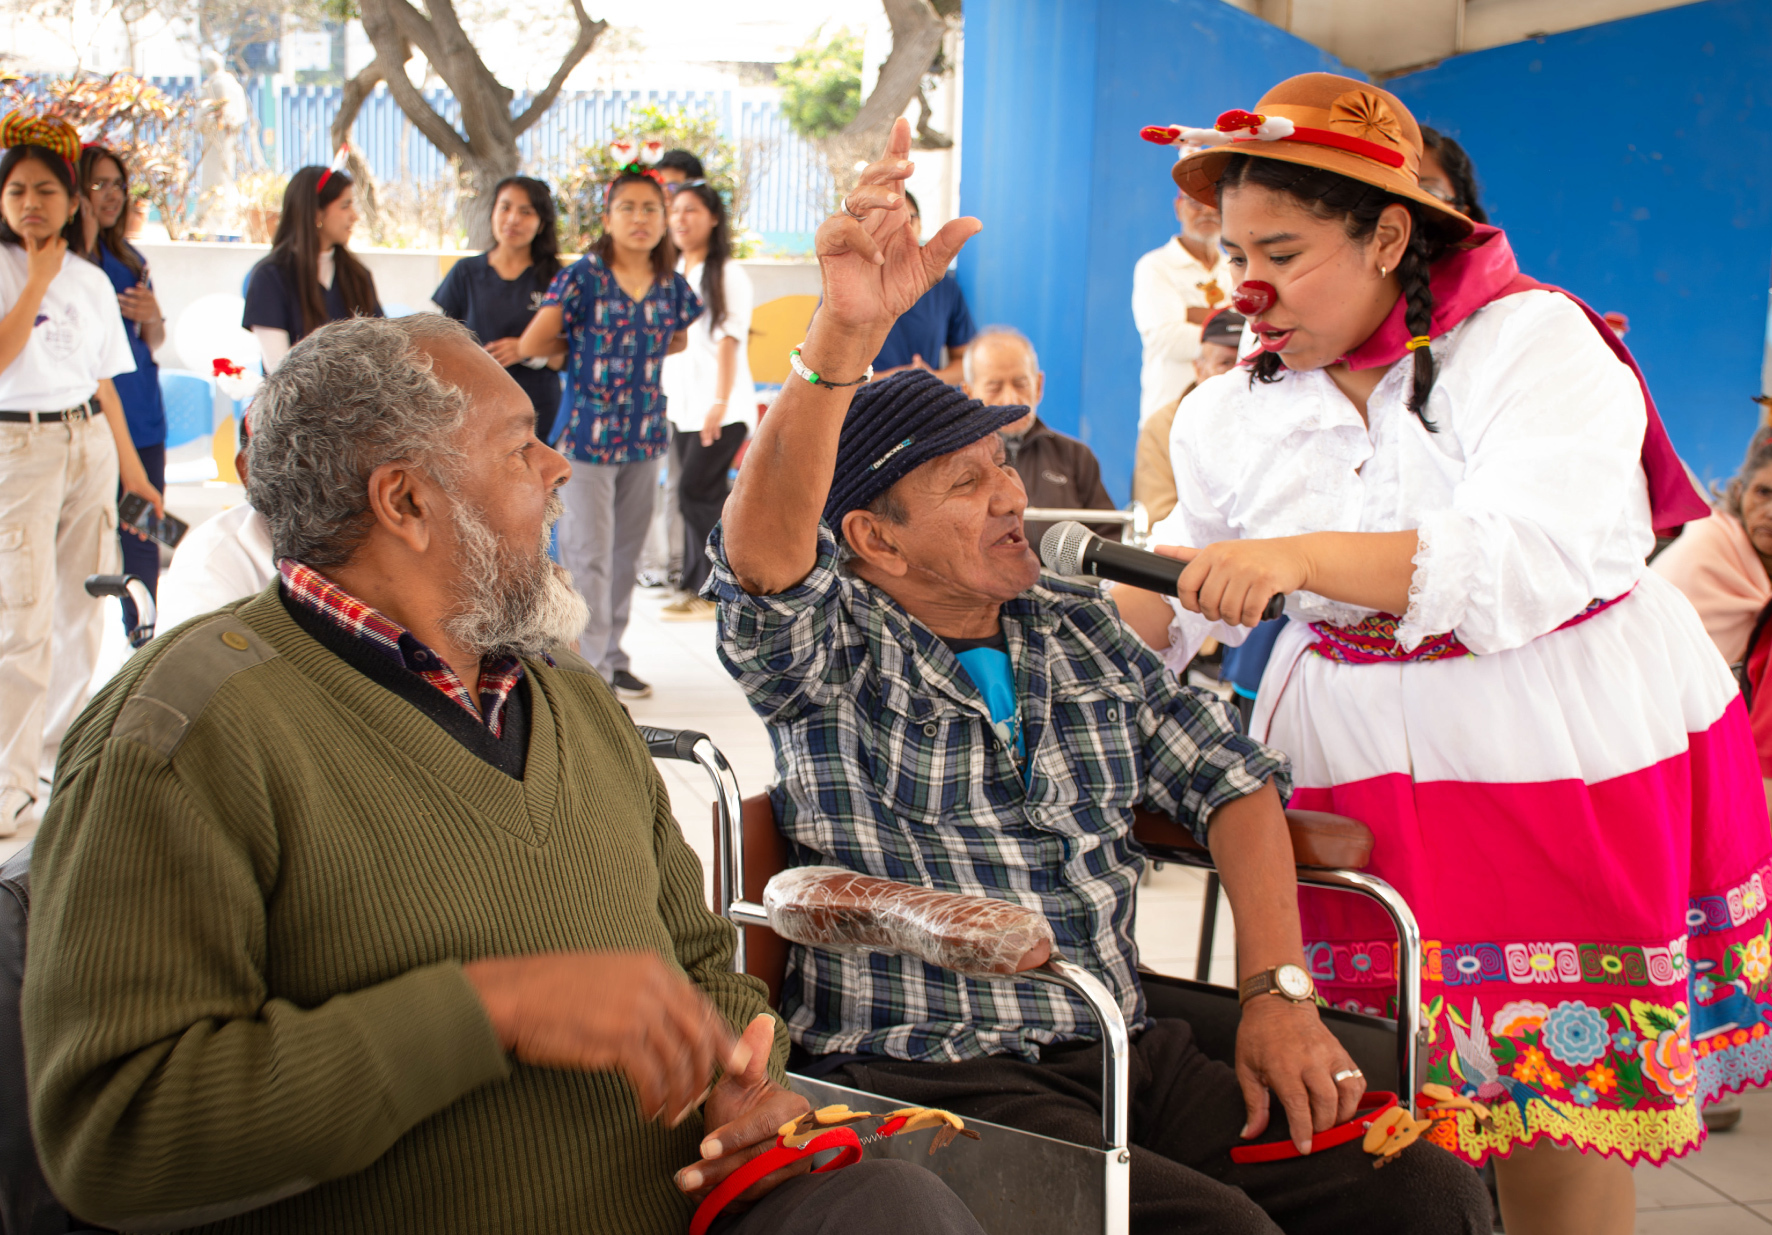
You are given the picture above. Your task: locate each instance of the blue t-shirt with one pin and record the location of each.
(495, 307)
(986, 662)
(615, 353)
(139, 391)
(939, 319)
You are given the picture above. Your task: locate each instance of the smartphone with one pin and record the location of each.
(139, 515)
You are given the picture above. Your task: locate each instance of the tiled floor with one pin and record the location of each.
(1725, 1189)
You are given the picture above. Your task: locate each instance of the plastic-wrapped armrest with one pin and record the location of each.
(829, 907)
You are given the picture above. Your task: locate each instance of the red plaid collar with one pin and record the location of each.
(373, 628)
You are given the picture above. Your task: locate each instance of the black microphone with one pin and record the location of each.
(1069, 548)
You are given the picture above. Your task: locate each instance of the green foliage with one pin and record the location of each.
(579, 193)
(821, 84)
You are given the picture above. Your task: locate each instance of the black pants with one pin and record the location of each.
(876, 1195)
(141, 558)
(701, 494)
(1187, 1111)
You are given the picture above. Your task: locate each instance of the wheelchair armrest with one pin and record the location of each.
(1319, 839)
(829, 907)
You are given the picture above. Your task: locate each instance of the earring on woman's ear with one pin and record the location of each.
(1383, 272)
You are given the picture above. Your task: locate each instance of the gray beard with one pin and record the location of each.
(512, 603)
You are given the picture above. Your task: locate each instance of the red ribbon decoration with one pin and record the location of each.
(1341, 141)
(1373, 1103)
(843, 1140)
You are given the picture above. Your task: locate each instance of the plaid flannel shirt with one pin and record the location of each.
(498, 678)
(888, 765)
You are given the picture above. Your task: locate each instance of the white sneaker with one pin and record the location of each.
(15, 806)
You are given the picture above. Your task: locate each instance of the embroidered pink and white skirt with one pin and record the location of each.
(1581, 830)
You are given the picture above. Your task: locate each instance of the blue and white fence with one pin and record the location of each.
(786, 194)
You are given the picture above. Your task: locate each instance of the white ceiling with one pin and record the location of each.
(1385, 37)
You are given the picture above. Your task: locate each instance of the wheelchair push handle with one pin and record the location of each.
(671, 743)
(128, 587)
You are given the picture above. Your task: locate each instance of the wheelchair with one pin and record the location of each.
(1018, 1182)
(1013, 1181)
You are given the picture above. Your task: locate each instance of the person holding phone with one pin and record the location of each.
(496, 293)
(64, 444)
(104, 186)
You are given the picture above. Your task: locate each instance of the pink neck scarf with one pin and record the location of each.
(1467, 279)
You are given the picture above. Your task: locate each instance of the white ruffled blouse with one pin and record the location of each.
(1530, 501)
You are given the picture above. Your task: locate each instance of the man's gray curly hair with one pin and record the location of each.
(350, 397)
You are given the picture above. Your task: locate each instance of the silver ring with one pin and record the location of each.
(846, 210)
(1346, 1074)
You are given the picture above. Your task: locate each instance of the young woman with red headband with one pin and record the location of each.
(614, 314)
(1455, 474)
(309, 277)
(64, 443)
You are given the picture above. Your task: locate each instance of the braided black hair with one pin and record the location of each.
(1330, 195)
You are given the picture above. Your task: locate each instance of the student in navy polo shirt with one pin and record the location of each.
(104, 183)
(614, 314)
(309, 277)
(939, 319)
(496, 293)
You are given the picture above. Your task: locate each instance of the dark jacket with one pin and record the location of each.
(1059, 471)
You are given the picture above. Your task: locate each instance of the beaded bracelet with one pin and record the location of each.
(813, 379)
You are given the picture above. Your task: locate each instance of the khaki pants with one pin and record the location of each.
(58, 524)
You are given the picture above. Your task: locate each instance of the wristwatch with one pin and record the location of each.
(1287, 981)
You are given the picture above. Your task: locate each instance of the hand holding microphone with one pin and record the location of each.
(1242, 582)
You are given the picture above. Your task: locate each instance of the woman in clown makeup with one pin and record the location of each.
(1454, 474)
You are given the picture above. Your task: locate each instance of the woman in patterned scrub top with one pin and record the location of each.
(616, 313)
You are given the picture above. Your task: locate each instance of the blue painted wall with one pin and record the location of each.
(1632, 164)
(1056, 92)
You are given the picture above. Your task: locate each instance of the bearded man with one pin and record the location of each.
(359, 905)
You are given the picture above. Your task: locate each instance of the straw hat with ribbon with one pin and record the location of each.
(1319, 120)
(19, 128)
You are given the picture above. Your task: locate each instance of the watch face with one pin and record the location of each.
(1294, 983)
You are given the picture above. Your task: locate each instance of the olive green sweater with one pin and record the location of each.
(252, 895)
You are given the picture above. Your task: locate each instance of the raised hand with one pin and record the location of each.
(872, 266)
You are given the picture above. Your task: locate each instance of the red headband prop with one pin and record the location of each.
(634, 158)
(338, 165)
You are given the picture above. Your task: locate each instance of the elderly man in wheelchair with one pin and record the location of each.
(945, 716)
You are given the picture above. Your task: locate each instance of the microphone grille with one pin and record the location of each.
(1061, 548)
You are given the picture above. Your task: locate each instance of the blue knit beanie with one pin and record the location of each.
(896, 425)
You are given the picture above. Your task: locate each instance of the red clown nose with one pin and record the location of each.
(1253, 298)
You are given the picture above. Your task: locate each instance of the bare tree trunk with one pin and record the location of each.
(486, 147)
(917, 31)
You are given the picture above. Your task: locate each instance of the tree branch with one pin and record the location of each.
(917, 31)
(928, 138)
(588, 33)
(393, 26)
(356, 90)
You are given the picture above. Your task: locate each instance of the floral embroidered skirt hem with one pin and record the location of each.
(1581, 830)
